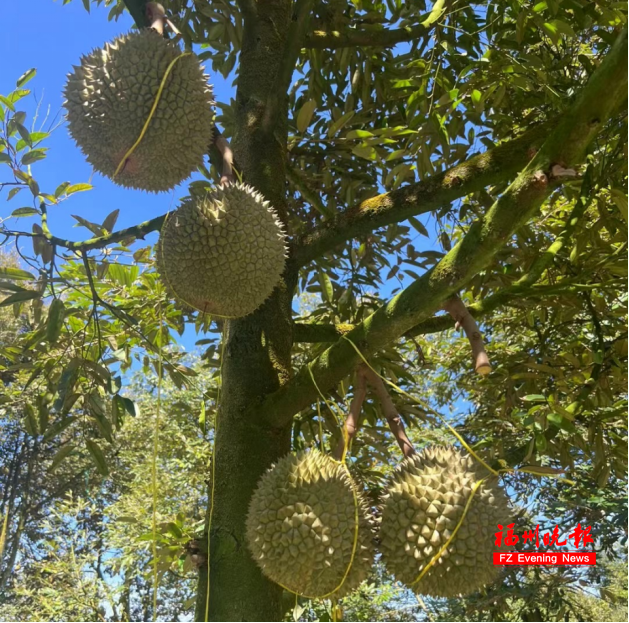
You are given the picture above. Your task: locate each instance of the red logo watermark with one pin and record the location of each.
(579, 536)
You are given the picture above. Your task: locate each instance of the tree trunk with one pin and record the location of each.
(258, 347)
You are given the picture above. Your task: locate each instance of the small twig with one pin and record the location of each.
(351, 422)
(390, 412)
(455, 307)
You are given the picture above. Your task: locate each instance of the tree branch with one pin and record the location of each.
(350, 38)
(296, 34)
(137, 231)
(137, 8)
(390, 413)
(317, 333)
(493, 166)
(566, 145)
(350, 427)
(461, 315)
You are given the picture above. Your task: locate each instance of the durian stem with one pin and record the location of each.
(222, 144)
(156, 16)
(461, 315)
(351, 422)
(390, 412)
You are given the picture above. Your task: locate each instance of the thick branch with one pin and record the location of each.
(316, 333)
(566, 145)
(137, 8)
(493, 166)
(390, 413)
(300, 20)
(351, 38)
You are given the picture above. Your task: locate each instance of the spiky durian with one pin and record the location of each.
(222, 253)
(424, 503)
(109, 98)
(306, 520)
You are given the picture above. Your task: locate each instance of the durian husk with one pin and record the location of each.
(424, 506)
(109, 97)
(308, 527)
(223, 253)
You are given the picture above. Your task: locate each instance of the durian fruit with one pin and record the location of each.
(424, 502)
(109, 97)
(301, 526)
(222, 253)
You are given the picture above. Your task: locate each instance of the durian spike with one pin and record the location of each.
(461, 315)
(390, 412)
(350, 428)
(156, 16)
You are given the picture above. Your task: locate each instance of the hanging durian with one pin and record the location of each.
(307, 523)
(222, 253)
(424, 503)
(109, 98)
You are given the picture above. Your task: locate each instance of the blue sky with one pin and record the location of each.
(51, 37)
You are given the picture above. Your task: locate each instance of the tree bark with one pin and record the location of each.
(257, 348)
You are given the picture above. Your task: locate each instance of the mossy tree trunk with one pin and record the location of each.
(257, 348)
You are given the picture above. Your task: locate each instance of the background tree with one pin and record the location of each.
(503, 123)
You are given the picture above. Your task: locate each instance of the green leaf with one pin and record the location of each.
(61, 189)
(339, 123)
(304, 115)
(110, 221)
(130, 406)
(20, 297)
(7, 103)
(58, 427)
(29, 421)
(5, 157)
(13, 192)
(25, 77)
(619, 197)
(552, 31)
(34, 155)
(365, 151)
(15, 273)
(97, 456)
(327, 289)
(437, 10)
(77, 188)
(56, 316)
(97, 230)
(24, 133)
(418, 226)
(359, 134)
(11, 287)
(26, 211)
(202, 419)
(63, 453)
(16, 96)
(534, 398)
(541, 442)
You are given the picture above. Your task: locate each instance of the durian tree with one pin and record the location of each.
(354, 128)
